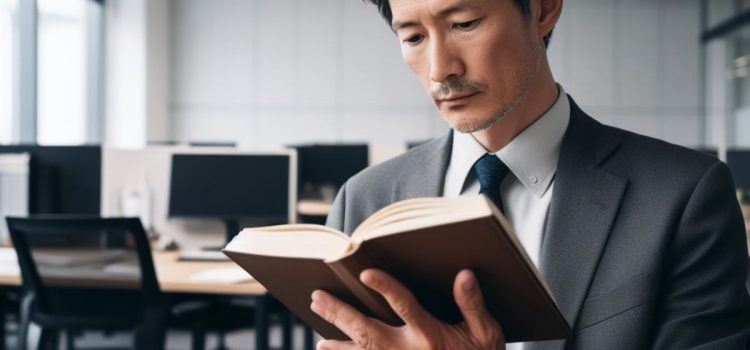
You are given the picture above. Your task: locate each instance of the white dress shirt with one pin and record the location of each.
(527, 190)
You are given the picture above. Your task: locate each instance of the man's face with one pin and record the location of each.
(475, 58)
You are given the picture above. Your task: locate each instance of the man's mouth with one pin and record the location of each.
(454, 99)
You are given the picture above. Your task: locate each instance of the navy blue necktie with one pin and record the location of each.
(491, 171)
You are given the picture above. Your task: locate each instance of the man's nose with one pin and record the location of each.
(445, 62)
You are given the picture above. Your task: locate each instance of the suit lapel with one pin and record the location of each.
(584, 205)
(427, 178)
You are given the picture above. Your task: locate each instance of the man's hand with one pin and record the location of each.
(421, 330)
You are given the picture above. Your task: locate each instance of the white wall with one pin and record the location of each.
(273, 72)
(634, 64)
(125, 77)
(265, 73)
(137, 73)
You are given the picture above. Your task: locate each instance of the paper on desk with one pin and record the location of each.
(224, 275)
(9, 262)
(8, 256)
(8, 269)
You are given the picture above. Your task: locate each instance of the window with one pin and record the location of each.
(727, 73)
(62, 72)
(8, 41)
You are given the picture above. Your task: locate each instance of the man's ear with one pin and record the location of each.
(546, 14)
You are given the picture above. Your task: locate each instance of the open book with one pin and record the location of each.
(422, 242)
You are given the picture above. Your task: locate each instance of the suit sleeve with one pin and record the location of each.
(705, 301)
(336, 215)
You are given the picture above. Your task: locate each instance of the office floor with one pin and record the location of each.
(177, 340)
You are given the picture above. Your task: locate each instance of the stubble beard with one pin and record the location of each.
(528, 75)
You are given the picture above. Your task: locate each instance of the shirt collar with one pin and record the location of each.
(531, 156)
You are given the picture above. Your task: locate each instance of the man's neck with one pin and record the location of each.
(536, 102)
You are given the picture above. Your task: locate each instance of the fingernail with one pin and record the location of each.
(315, 307)
(371, 278)
(366, 278)
(469, 284)
(322, 346)
(317, 296)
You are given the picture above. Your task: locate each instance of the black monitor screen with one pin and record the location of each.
(230, 187)
(63, 179)
(739, 164)
(332, 165)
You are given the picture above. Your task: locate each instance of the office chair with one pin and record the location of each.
(220, 315)
(87, 274)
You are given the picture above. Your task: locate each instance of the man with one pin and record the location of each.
(641, 242)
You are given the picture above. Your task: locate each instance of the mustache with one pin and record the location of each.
(456, 85)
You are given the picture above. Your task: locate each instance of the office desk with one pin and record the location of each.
(174, 277)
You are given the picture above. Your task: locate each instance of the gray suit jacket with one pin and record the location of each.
(644, 246)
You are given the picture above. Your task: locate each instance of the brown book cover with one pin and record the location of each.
(422, 242)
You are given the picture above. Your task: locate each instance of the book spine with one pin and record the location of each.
(348, 270)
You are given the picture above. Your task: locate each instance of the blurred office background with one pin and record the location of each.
(142, 78)
(270, 73)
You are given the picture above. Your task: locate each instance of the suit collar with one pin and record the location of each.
(585, 202)
(531, 156)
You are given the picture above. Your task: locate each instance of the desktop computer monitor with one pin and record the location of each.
(330, 166)
(255, 189)
(738, 161)
(62, 179)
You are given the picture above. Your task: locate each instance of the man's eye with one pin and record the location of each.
(466, 25)
(414, 39)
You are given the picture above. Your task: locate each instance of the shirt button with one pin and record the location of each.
(533, 179)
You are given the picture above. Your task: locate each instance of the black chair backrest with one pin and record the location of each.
(85, 253)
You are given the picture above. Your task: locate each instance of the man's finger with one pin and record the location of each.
(336, 345)
(360, 328)
(470, 301)
(401, 300)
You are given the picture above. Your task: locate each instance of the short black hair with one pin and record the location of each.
(385, 11)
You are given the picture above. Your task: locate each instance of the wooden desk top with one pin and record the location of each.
(174, 276)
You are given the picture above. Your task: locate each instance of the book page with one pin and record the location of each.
(420, 212)
(291, 241)
(409, 204)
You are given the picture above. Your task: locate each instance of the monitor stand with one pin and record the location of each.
(232, 227)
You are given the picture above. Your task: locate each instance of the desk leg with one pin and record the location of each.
(308, 338)
(24, 315)
(4, 308)
(287, 328)
(261, 322)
